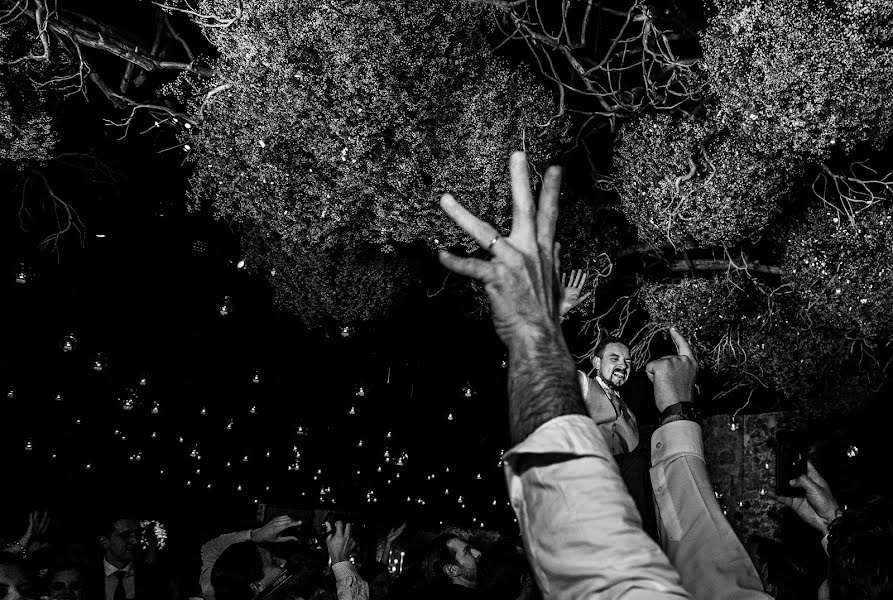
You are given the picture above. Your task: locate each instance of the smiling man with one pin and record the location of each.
(602, 397)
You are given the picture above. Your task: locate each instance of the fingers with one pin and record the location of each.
(475, 268)
(815, 475)
(523, 208)
(805, 483)
(547, 215)
(682, 347)
(564, 278)
(584, 296)
(347, 529)
(287, 538)
(786, 500)
(482, 232)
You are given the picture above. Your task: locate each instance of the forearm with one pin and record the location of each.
(542, 382)
(581, 528)
(212, 550)
(694, 533)
(348, 583)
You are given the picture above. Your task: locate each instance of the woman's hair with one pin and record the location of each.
(235, 570)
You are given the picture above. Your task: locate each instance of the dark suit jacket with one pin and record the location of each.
(149, 582)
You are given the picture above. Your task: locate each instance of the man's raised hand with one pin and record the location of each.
(818, 507)
(521, 279)
(570, 291)
(673, 376)
(272, 530)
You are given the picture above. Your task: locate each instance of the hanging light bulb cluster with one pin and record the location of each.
(68, 343)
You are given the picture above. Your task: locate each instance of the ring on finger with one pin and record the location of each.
(493, 242)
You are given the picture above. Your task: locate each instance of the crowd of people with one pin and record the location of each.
(600, 513)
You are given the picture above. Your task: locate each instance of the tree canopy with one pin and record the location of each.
(732, 160)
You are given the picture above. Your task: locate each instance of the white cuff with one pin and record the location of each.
(343, 570)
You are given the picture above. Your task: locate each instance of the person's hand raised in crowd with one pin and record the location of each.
(818, 507)
(339, 541)
(394, 533)
(34, 538)
(272, 530)
(570, 291)
(521, 280)
(673, 376)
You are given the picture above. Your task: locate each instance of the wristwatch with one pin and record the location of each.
(683, 410)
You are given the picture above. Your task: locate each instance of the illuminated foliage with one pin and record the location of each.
(27, 134)
(803, 78)
(343, 126)
(680, 179)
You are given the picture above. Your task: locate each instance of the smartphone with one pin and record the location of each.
(790, 462)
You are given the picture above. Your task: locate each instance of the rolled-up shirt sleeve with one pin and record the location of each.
(694, 532)
(580, 526)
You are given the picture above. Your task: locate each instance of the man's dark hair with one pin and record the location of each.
(439, 555)
(861, 552)
(235, 570)
(105, 522)
(603, 343)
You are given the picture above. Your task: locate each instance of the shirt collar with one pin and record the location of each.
(111, 569)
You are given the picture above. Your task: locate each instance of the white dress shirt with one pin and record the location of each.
(584, 536)
(111, 580)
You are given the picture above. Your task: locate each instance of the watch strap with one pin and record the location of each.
(684, 410)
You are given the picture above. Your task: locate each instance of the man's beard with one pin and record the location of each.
(616, 386)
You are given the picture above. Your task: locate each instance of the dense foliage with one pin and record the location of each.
(342, 128)
(27, 133)
(794, 87)
(326, 132)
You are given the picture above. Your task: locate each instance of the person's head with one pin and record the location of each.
(378, 578)
(611, 361)
(860, 565)
(64, 583)
(120, 539)
(452, 560)
(14, 585)
(243, 571)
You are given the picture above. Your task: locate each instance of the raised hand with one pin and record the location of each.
(818, 507)
(339, 541)
(38, 523)
(270, 532)
(521, 279)
(570, 291)
(673, 376)
(394, 533)
(522, 283)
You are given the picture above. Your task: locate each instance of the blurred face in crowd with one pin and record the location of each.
(614, 364)
(65, 585)
(13, 585)
(464, 570)
(122, 544)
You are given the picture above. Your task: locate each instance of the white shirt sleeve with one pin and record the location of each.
(694, 532)
(211, 551)
(581, 529)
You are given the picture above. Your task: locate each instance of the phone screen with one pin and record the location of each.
(790, 462)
